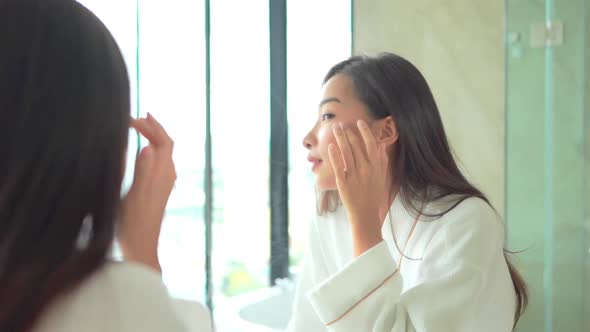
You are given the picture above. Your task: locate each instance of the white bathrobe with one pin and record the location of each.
(123, 297)
(454, 277)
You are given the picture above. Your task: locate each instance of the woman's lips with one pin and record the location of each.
(315, 162)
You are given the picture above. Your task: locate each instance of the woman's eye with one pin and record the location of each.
(327, 116)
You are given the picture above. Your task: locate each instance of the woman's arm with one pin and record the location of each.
(303, 317)
(366, 295)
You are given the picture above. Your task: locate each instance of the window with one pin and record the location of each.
(240, 140)
(165, 45)
(318, 36)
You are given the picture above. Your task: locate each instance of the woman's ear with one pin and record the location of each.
(386, 131)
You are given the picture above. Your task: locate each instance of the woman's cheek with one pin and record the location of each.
(325, 138)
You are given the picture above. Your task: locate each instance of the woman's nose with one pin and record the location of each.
(308, 140)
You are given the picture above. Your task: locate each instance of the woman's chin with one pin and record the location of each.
(326, 184)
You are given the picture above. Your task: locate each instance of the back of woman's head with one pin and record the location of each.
(64, 115)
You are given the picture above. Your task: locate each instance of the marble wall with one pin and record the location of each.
(519, 119)
(458, 46)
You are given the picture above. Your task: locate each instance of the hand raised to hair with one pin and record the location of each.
(143, 208)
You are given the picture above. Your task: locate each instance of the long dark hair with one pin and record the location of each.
(423, 164)
(64, 117)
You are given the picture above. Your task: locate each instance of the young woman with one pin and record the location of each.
(64, 123)
(403, 242)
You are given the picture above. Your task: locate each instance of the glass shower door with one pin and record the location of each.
(548, 144)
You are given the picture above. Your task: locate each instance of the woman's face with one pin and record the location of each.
(339, 104)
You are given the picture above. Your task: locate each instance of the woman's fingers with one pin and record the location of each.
(155, 160)
(344, 147)
(359, 154)
(143, 128)
(369, 140)
(144, 165)
(337, 162)
(151, 129)
(163, 140)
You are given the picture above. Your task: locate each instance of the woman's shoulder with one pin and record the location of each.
(475, 211)
(122, 296)
(473, 226)
(128, 275)
(141, 287)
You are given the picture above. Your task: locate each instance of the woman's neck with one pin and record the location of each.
(391, 196)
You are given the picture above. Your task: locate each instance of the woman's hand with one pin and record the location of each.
(361, 169)
(143, 207)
